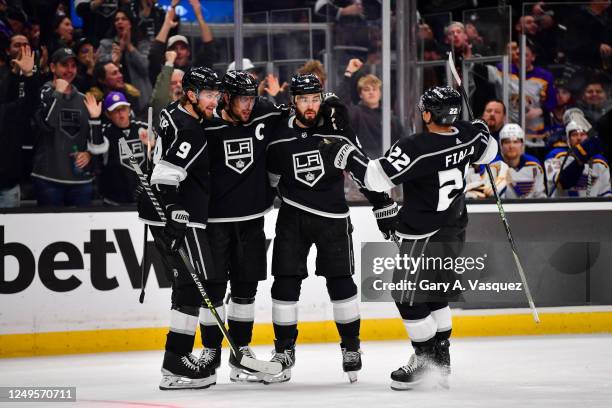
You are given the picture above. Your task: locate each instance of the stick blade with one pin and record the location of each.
(266, 367)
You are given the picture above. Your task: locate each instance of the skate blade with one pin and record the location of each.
(402, 386)
(242, 376)
(282, 377)
(352, 375)
(176, 382)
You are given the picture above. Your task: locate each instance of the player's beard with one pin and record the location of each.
(306, 121)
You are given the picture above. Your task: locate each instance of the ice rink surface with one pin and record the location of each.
(513, 372)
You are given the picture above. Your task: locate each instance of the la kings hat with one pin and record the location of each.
(114, 100)
(62, 55)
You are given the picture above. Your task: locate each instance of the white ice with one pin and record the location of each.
(513, 372)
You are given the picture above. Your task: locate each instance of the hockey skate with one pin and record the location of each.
(412, 374)
(210, 358)
(442, 360)
(351, 359)
(239, 373)
(284, 353)
(180, 371)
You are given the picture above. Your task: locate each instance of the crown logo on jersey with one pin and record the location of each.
(238, 154)
(304, 135)
(308, 167)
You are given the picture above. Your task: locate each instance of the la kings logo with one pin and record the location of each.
(238, 154)
(308, 167)
(137, 150)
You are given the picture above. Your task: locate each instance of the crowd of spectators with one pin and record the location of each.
(67, 94)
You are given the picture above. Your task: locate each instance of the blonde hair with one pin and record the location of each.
(314, 67)
(368, 80)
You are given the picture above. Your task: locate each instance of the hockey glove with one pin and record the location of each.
(481, 125)
(386, 219)
(584, 151)
(336, 153)
(176, 227)
(335, 111)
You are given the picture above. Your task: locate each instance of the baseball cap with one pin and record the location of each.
(62, 55)
(113, 100)
(246, 65)
(176, 38)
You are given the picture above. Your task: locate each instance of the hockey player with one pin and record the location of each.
(517, 174)
(431, 166)
(580, 170)
(524, 177)
(240, 197)
(180, 178)
(314, 211)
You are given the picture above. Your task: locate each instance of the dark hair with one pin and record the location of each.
(497, 101)
(99, 71)
(58, 20)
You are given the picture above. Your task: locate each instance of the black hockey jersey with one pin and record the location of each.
(181, 159)
(296, 166)
(432, 168)
(239, 182)
(117, 180)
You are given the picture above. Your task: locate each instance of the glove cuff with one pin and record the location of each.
(177, 214)
(388, 211)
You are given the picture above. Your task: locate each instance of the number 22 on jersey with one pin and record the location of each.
(450, 180)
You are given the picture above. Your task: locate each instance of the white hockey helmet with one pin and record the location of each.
(511, 131)
(573, 127)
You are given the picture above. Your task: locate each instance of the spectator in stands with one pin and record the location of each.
(524, 177)
(548, 36)
(17, 20)
(66, 139)
(589, 35)
(351, 17)
(97, 16)
(63, 34)
(109, 78)
(495, 115)
(579, 169)
(478, 88)
(87, 57)
(13, 114)
(539, 93)
(594, 102)
(565, 100)
(122, 49)
(149, 18)
(205, 56)
(9, 73)
(118, 181)
(366, 116)
(168, 86)
(316, 68)
(526, 25)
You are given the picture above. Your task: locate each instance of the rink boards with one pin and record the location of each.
(75, 288)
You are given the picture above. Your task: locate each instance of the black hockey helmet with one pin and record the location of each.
(200, 78)
(305, 84)
(239, 83)
(443, 102)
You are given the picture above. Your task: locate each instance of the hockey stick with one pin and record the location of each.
(266, 367)
(500, 207)
(143, 266)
